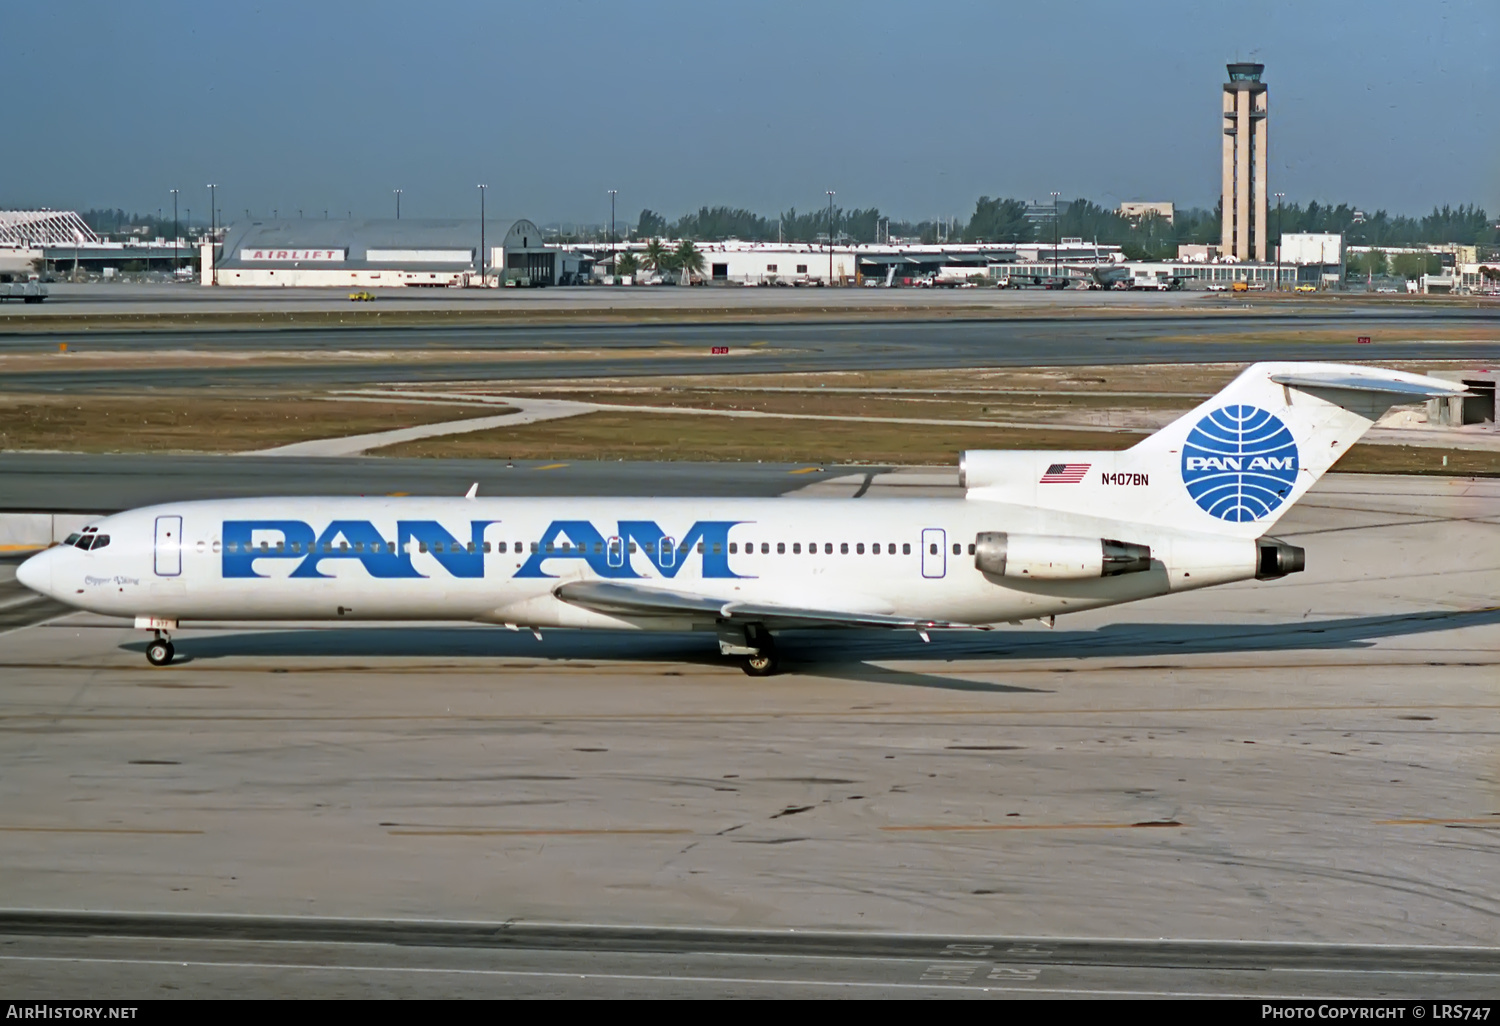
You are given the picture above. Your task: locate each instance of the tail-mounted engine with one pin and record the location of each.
(1277, 559)
(1048, 557)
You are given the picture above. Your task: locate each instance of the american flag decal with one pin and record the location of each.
(1065, 473)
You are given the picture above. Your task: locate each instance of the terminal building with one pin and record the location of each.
(56, 241)
(411, 253)
(773, 263)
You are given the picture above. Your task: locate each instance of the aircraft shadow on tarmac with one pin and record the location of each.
(840, 654)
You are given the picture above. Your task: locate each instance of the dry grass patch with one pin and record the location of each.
(197, 423)
(665, 436)
(1409, 459)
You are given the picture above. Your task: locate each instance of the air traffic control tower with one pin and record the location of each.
(1245, 163)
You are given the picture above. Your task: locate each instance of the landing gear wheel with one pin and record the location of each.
(764, 663)
(159, 653)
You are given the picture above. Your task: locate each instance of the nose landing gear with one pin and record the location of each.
(160, 651)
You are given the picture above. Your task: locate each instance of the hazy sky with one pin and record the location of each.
(917, 108)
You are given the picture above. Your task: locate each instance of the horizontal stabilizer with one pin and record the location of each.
(1415, 386)
(633, 599)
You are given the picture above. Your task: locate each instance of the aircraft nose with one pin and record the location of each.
(36, 573)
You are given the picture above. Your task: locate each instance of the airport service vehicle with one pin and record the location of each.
(362, 297)
(1035, 535)
(1307, 288)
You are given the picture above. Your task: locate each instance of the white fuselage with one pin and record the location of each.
(499, 560)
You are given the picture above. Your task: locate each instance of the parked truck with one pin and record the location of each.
(26, 291)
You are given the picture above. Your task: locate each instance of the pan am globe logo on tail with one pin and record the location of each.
(1239, 463)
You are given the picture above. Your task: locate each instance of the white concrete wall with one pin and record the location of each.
(314, 277)
(754, 266)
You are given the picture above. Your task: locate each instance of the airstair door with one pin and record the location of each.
(168, 546)
(934, 552)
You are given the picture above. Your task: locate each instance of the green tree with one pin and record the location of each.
(656, 256)
(650, 224)
(627, 265)
(1414, 265)
(997, 220)
(687, 260)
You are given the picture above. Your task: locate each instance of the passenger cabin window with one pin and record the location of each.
(828, 548)
(781, 548)
(844, 548)
(796, 548)
(859, 549)
(906, 548)
(957, 549)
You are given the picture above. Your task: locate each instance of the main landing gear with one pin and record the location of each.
(160, 651)
(754, 645)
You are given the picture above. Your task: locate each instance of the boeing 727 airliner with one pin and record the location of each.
(1036, 535)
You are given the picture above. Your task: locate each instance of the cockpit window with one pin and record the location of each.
(72, 539)
(100, 540)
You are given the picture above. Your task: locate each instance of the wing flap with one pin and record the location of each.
(612, 597)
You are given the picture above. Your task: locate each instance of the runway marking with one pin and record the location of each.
(499, 832)
(805, 470)
(551, 466)
(41, 623)
(397, 495)
(1493, 819)
(791, 714)
(544, 974)
(91, 830)
(947, 828)
(22, 548)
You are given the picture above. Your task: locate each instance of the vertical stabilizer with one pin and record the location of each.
(1232, 466)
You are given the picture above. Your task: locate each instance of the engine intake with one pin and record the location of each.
(1277, 559)
(1049, 557)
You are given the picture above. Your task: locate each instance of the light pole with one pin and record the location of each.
(481, 234)
(398, 203)
(1279, 195)
(612, 254)
(212, 207)
(175, 234)
(830, 237)
(1056, 237)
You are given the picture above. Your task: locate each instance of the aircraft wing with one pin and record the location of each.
(612, 597)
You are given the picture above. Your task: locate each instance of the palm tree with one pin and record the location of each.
(628, 265)
(655, 255)
(688, 260)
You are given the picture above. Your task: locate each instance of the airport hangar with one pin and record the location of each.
(412, 253)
